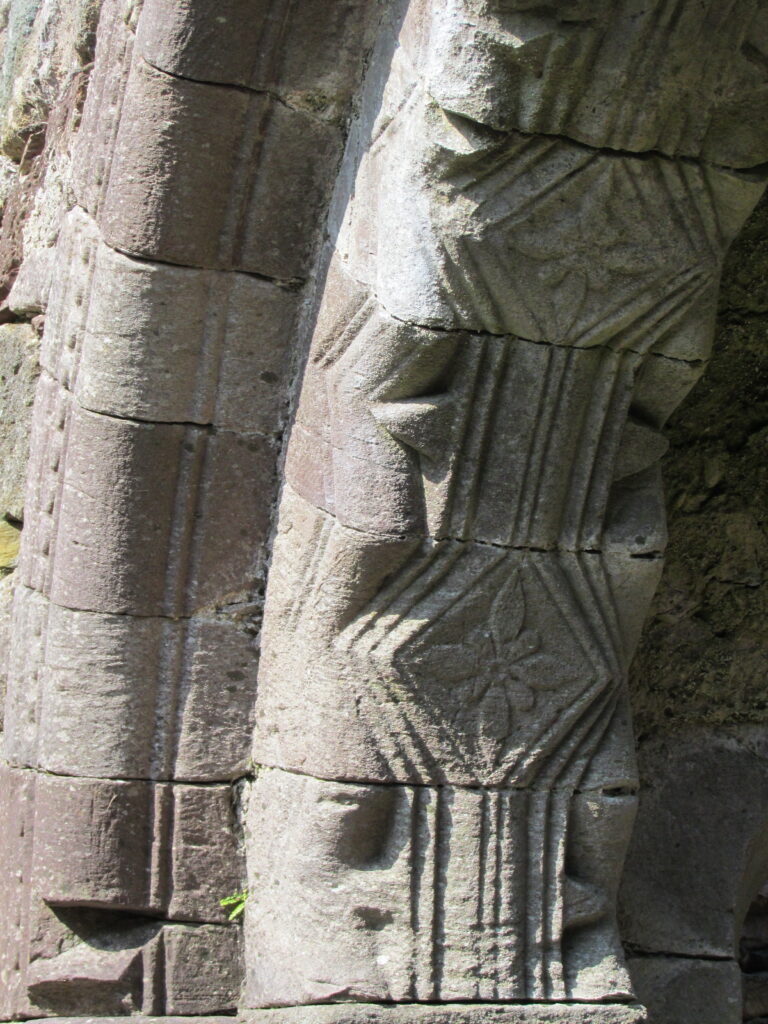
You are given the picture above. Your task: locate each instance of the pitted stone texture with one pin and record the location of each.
(19, 351)
(358, 864)
(140, 518)
(309, 53)
(94, 143)
(677, 990)
(614, 74)
(700, 848)
(75, 707)
(459, 1013)
(152, 342)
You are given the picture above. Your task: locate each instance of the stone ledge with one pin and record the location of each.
(400, 1013)
(450, 1013)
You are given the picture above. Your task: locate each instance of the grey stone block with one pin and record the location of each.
(19, 351)
(700, 848)
(458, 1013)
(354, 866)
(698, 96)
(75, 708)
(151, 849)
(678, 990)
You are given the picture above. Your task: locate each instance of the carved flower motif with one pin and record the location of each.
(505, 667)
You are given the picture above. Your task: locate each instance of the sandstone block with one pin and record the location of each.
(136, 518)
(265, 174)
(149, 849)
(19, 349)
(700, 849)
(203, 970)
(510, 67)
(310, 54)
(356, 866)
(149, 341)
(431, 259)
(464, 670)
(92, 150)
(177, 703)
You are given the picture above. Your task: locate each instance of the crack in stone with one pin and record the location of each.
(247, 90)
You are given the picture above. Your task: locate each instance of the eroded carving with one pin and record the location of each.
(472, 522)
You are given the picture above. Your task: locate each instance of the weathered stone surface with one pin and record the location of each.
(77, 937)
(93, 147)
(152, 342)
(6, 618)
(700, 850)
(88, 831)
(678, 990)
(43, 44)
(271, 47)
(457, 1013)
(136, 518)
(472, 527)
(265, 174)
(431, 260)
(19, 347)
(370, 855)
(76, 709)
(688, 81)
(439, 712)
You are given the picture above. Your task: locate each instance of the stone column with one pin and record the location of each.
(528, 236)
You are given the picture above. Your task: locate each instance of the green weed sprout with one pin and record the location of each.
(237, 902)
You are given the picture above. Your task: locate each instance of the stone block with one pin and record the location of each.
(132, 846)
(266, 174)
(137, 518)
(352, 867)
(678, 990)
(89, 957)
(437, 263)
(491, 644)
(92, 149)
(203, 970)
(176, 702)
(148, 341)
(16, 817)
(508, 67)
(699, 852)
(311, 54)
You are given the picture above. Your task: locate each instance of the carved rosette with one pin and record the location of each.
(521, 290)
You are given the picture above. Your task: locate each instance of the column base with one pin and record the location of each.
(451, 1013)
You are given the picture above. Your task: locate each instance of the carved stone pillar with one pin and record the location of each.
(527, 246)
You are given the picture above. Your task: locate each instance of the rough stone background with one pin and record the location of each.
(46, 48)
(702, 660)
